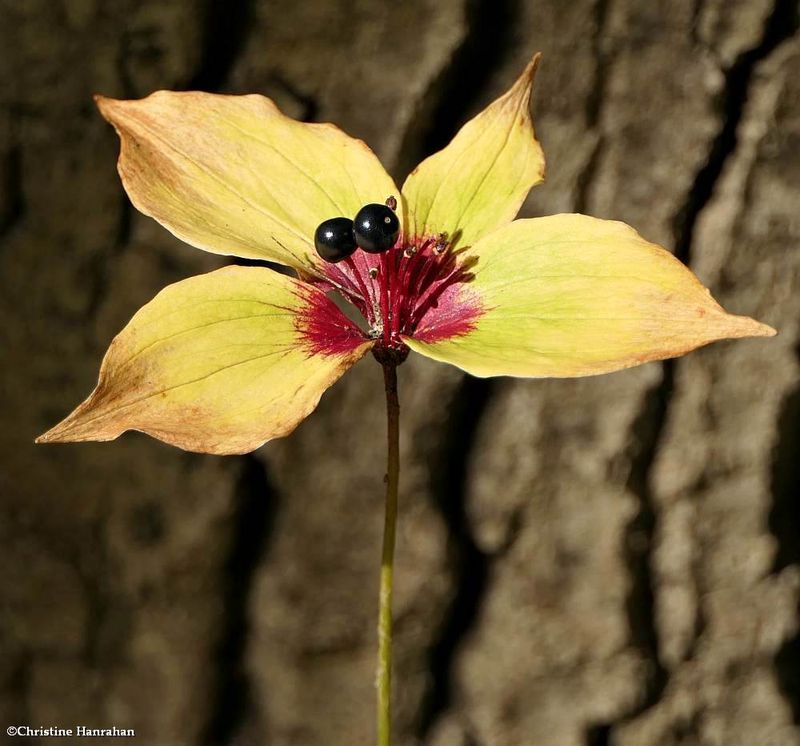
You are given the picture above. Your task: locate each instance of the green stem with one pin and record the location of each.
(384, 681)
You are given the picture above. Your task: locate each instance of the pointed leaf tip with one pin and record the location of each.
(107, 107)
(65, 432)
(744, 326)
(480, 180)
(214, 364)
(524, 84)
(571, 295)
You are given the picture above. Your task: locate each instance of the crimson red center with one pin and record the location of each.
(419, 288)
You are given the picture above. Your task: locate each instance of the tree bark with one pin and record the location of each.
(611, 560)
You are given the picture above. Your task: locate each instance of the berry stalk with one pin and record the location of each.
(384, 675)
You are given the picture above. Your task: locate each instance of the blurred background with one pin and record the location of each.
(606, 561)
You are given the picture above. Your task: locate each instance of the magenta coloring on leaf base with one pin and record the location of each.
(418, 288)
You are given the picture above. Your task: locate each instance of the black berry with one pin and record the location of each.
(334, 239)
(376, 228)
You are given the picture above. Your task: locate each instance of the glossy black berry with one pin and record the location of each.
(376, 228)
(334, 239)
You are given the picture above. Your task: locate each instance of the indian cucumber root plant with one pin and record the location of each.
(226, 361)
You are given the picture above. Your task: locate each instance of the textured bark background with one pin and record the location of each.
(611, 560)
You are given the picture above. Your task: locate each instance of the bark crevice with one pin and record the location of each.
(225, 35)
(784, 524)
(648, 430)
(12, 209)
(469, 566)
(256, 505)
(594, 105)
(453, 95)
(781, 25)
(646, 433)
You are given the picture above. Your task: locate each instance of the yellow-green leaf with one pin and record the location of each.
(233, 175)
(217, 364)
(480, 180)
(571, 295)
